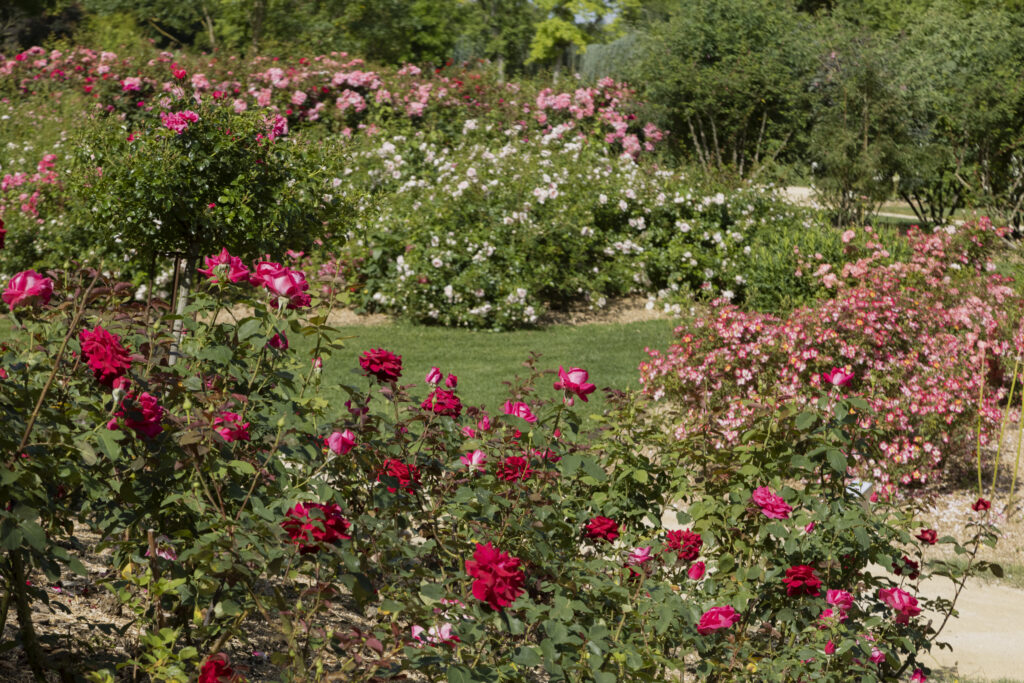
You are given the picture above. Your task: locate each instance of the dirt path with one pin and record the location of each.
(805, 196)
(988, 637)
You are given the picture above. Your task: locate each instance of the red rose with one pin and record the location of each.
(498, 578)
(216, 670)
(229, 426)
(801, 580)
(687, 543)
(443, 402)
(28, 288)
(515, 467)
(384, 365)
(929, 536)
(909, 566)
(142, 415)
(3, 233)
(103, 353)
(326, 527)
(981, 505)
(602, 528)
(696, 571)
(717, 618)
(408, 476)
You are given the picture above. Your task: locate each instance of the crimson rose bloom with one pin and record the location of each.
(981, 505)
(772, 506)
(602, 528)
(717, 618)
(327, 527)
(443, 402)
(216, 670)
(515, 467)
(801, 580)
(384, 365)
(28, 288)
(230, 427)
(686, 542)
(408, 476)
(142, 415)
(909, 566)
(929, 536)
(104, 354)
(900, 600)
(499, 580)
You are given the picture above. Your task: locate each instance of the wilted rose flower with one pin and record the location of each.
(28, 288)
(104, 354)
(928, 536)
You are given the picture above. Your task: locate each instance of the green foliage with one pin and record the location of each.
(222, 182)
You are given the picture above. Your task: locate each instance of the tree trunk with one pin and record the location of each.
(259, 14)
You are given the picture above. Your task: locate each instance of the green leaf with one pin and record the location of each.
(459, 674)
(226, 608)
(242, 467)
(806, 420)
(249, 328)
(837, 461)
(526, 656)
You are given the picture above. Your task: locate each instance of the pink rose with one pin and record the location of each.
(901, 601)
(230, 427)
(28, 288)
(433, 376)
(639, 556)
(877, 656)
(574, 382)
(918, 677)
(341, 443)
(696, 571)
(717, 618)
(285, 283)
(837, 377)
(519, 409)
(830, 648)
(475, 460)
(772, 506)
(236, 270)
(840, 598)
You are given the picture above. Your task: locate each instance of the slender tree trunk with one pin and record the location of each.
(259, 14)
(209, 27)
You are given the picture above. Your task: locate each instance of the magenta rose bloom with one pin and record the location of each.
(236, 270)
(383, 365)
(574, 382)
(326, 526)
(603, 528)
(840, 598)
(28, 288)
(901, 601)
(696, 571)
(142, 415)
(772, 506)
(408, 476)
(230, 427)
(443, 402)
(801, 580)
(717, 618)
(498, 580)
(285, 283)
(104, 354)
(686, 543)
(928, 536)
(279, 341)
(341, 443)
(514, 468)
(519, 409)
(838, 377)
(433, 376)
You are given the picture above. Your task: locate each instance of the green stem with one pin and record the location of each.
(1002, 428)
(22, 606)
(981, 398)
(1020, 442)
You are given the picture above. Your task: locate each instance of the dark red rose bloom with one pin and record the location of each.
(216, 670)
(3, 233)
(908, 566)
(929, 536)
(384, 365)
(326, 527)
(515, 467)
(687, 543)
(142, 415)
(981, 505)
(801, 580)
(408, 476)
(498, 578)
(103, 353)
(602, 528)
(443, 402)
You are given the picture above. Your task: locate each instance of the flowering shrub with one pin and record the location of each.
(918, 339)
(228, 489)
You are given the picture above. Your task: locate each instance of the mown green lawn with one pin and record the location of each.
(483, 360)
